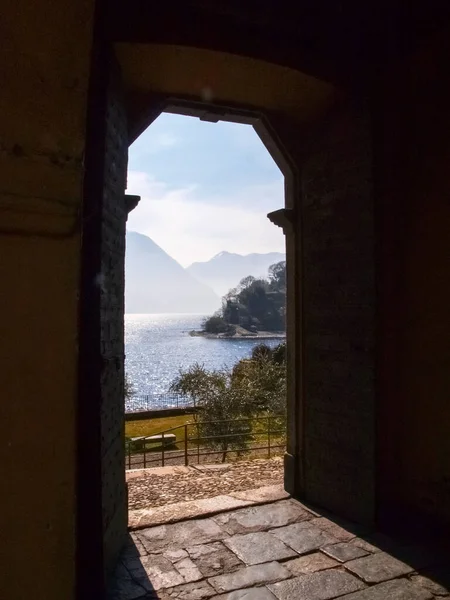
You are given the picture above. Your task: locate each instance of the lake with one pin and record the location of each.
(157, 346)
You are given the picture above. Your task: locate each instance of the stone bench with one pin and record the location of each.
(139, 443)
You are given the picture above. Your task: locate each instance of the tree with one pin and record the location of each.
(254, 302)
(216, 324)
(230, 295)
(223, 416)
(279, 354)
(228, 399)
(262, 351)
(277, 276)
(245, 282)
(262, 380)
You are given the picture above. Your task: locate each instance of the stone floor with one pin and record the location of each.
(279, 550)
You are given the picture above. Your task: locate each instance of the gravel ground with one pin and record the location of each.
(177, 457)
(192, 484)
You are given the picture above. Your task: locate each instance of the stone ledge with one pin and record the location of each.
(193, 509)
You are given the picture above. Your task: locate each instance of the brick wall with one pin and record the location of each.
(338, 316)
(412, 150)
(112, 282)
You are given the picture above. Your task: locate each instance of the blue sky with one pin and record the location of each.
(205, 187)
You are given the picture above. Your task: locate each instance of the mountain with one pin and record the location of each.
(225, 270)
(156, 283)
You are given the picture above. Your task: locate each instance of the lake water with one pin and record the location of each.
(157, 346)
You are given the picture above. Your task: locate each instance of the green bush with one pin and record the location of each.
(279, 353)
(222, 408)
(254, 387)
(261, 351)
(216, 324)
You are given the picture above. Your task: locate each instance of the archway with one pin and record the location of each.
(328, 218)
(282, 218)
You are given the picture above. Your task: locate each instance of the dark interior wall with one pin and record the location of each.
(112, 307)
(412, 112)
(337, 246)
(45, 54)
(102, 498)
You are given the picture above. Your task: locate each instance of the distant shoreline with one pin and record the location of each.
(262, 335)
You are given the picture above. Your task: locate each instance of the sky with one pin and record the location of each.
(204, 187)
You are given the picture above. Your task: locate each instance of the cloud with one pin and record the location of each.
(166, 140)
(191, 229)
(158, 142)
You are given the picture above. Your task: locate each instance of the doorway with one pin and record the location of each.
(328, 219)
(237, 409)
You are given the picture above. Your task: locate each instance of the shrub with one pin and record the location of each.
(222, 406)
(216, 324)
(261, 351)
(279, 353)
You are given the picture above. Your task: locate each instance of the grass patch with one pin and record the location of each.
(150, 427)
(154, 426)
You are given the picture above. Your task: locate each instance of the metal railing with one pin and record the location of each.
(153, 402)
(195, 442)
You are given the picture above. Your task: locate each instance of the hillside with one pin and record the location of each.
(156, 283)
(226, 269)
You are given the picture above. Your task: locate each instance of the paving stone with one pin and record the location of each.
(179, 535)
(432, 586)
(248, 576)
(261, 593)
(125, 587)
(310, 564)
(382, 541)
(303, 537)
(180, 511)
(400, 589)
(378, 567)
(189, 591)
(440, 574)
(130, 590)
(254, 548)
(365, 545)
(134, 546)
(338, 532)
(419, 557)
(175, 555)
(344, 551)
(159, 571)
(323, 585)
(265, 493)
(351, 527)
(214, 559)
(261, 518)
(188, 570)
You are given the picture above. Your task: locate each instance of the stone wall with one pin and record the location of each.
(413, 156)
(112, 286)
(337, 230)
(44, 73)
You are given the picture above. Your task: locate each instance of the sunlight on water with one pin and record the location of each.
(157, 346)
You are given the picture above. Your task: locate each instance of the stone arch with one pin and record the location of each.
(284, 218)
(323, 137)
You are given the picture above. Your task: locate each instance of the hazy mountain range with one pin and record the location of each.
(225, 270)
(156, 283)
